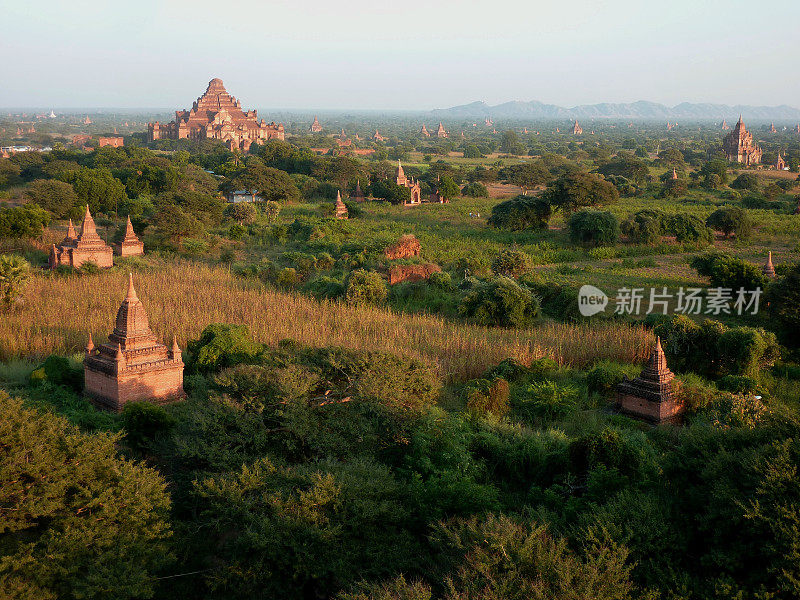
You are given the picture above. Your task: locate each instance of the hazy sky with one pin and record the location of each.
(404, 54)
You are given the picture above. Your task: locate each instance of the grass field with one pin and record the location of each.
(181, 299)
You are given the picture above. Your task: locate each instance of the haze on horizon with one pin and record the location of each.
(409, 55)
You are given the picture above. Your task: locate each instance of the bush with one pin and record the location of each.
(728, 271)
(511, 263)
(500, 301)
(688, 228)
(475, 190)
(593, 227)
(737, 384)
(287, 278)
(489, 397)
(550, 399)
(604, 377)
(783, 298)
(521, 212)
(26, 221)
(365, 287)
(57, 370)
(643, 227)
(731, 220)
(441, 280)
(577, 190)
(325, 288)
(746, 181)
(220, 346)
(143, 421)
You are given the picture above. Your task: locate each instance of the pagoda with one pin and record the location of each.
(219, 116)
(725, 126)
(87, 247)
(576, 128)
(440, 131)
(651, 396)
(132, 366)
(415, 189)
(377, 137)
(780, 164)
(424, 131)
(739, 146)
(768, 269)
(130, 244)
(341, 207)
(358, 195)
(315, 126)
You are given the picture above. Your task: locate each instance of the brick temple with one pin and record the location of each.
(651, 396)
(315, 126)
(739, 146)
(217, 115)
(87, 247)
(415, 192)
(576, 128)
(341, 207)
(132, 366)
(130, 245)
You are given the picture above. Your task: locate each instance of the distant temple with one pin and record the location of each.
(114, 142)
(739, 146)
(440, 132)
(132, 366)
(217, 115)
(768, 269)
(725, 126)
(76, 250)
(377, 137)
(315, 126)
(341, 207)
(772, 128)
(780, 164)
(130, 244)
(577, 129)
(424, 131)
(651, 396)
(358, 195)
(415, 197)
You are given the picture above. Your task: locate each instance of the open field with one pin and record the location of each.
(182, 299)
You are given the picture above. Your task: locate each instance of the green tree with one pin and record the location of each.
(9, 173)
(746, 181)
(688, 228)
(731, 220)
(475, 190)
(510, 144)
(14, 274)
(448, 188)
(175, 223)
(471, 151)
(593, 227)
(98, 188)
(521, 212)
(511, 263)
(643, 227)
(56, 196)
(77, 521)
(577, 190)
(365, 287)
(26, 221)
(500, 301)
(728, 271)
(241, 212)
(272, 209)
(783, 299)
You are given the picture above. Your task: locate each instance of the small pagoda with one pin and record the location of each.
(132, 366)
(441, 132)
(358, 195)
(424, 131)
(87, 247)
(341, 207)
(576, 128)
(315, 126)
(651, 396)
(768, 269)
(130, 244)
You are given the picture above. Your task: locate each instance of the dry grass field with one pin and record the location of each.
(182, 299)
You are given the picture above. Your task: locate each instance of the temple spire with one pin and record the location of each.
(71, 231)
(131, 296)
(90, 344)
(769, 269)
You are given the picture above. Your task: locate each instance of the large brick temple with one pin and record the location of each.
(217, 115)
(651, 397)
(739, 146)
(78, 249)
(132, 366)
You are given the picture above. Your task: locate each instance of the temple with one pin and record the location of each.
(424, 131)
(130, 244)
(441, 132)
(217, 115)
(739, 146)
(725, 126)
(358, 195)
(576, 128)
(132, 366)
(651, 396)
(780, 164)
(76, 250)
(415, 196)
(341, 208)
(377, 137)
(315, 126)
(769, 269)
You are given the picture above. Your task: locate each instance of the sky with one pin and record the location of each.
(397, 55)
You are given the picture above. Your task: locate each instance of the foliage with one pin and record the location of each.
(549, 399)
(14, 274)
(521, 212)
(731, 220)
(643, 227)
(80, 522)
(500, 301)
(58, 197)
(219, 346)
(728, 271)
(488, 397)
(475, 190)
(578, 190)
(593, 227)
(241, 212)
(687, 228)
(511, 263)
(365, 287)
(26, 221)
(783, 298)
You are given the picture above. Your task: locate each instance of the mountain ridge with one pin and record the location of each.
(641, 109)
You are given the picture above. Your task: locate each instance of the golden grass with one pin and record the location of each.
(183, 298)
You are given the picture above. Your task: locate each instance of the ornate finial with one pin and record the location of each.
(131, 296)
(119, 356)
(90, 344)
(176, 350)
(71, 230)
(658, 344)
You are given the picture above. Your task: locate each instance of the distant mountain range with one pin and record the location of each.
(634, 110)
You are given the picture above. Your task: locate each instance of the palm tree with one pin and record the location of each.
(14, 273)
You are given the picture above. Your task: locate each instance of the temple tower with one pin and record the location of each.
(768, 269)
(739, 146)
(341, 208)
(651, 396)
(132, 366)
(130, 244)
(315, 126)
(76, 250)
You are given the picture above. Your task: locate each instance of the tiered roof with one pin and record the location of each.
(768, 269)
(655, 381)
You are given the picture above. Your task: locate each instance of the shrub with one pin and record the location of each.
(365, 287)
(687, 228)
(26, 221)
(475, 190)
(643, 227)
(511, 263)
(500, 301)
(550, 399)
(325, 288)
(57, 370)
(287, 278)
(731, 220)
(604, 377)
(219, 346)
(737, 384)
(593, 227)
(737, 410)
(728, 271)
(783, 298)
(489, 398)
(521, 212)
(14, 275)
(143, 421)
(577, 190)
(746, 181)
(441, 280)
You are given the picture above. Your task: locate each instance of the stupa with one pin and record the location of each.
(424, 131)
(132, 366)
(441, 132)
(739, 146)
(651, 396)
(768, 269)
(576, 128)
(358, 195)
(415, 196)
(130, 244)
(341, 208)
(315, 126)
(76, 250)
